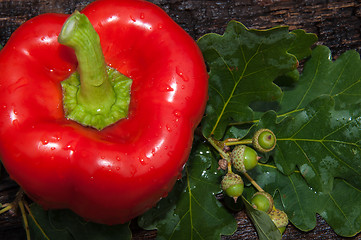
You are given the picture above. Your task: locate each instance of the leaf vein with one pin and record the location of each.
(340, 160)
(342, 212)
(339, 77)
(308, 159)
(349, 87)
(297, 197)
(235, 85)
(311, 84)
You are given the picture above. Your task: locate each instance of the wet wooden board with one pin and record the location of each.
(336, 23)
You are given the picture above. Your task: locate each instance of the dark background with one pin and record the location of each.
(336, 23)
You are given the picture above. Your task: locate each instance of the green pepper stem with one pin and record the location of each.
(95, 93)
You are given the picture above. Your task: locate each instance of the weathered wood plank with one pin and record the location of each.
(337, 24)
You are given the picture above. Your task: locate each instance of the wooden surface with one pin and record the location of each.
(337, 24)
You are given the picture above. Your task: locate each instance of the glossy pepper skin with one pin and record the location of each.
(113, 175)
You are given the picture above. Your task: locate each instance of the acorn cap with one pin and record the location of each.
(244, 158)
(232, 184)
(230, 179)
(279, 218)
(264, 140)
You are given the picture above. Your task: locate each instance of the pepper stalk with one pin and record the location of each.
(96, 95)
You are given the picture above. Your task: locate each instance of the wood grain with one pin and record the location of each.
(337, 24)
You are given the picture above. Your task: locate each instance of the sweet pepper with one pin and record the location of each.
(98, 110)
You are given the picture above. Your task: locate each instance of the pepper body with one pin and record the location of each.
(113, 175)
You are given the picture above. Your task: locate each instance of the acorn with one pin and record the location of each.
(262, 201)
(244, 158)
(222, 164)
(279, 218)
(264, 140)
(232, 184)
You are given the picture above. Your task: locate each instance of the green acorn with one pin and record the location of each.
(264, 140)
(232, 185)
(244, 158)
(279, 218)
(262, 201)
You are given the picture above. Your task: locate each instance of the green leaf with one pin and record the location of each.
(297, 199)
(301, 46)
(339, 79)
(243, 64)
(66, 225)
(318, 150)
(324, 143)
(301, 49)
(162, 215)
(301, 203)
(191, 210)
(265, 227)
(40, 227)
(341, 208)
(318, 129)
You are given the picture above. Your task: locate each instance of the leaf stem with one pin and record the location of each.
(233, 142)
(14, 204)
(290, 112)
(245, 122)
(25, 219)
(36, 222)
(216, 144)
(253, 182)
(6, 208)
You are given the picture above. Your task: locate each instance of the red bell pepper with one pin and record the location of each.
(111, 175)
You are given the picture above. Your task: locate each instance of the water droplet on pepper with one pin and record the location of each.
(177, 113)
(16, 123)
(167, 88)
(168, 128)
(181, 74)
